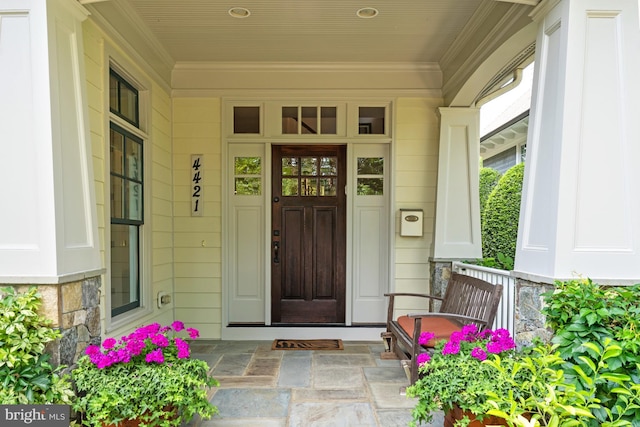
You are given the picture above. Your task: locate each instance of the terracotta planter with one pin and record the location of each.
(456, 414)
(136, 422)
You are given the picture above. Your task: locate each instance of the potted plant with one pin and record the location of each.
(454, 378)
(147, 377)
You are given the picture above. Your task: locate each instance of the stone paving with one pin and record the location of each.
(296, 388)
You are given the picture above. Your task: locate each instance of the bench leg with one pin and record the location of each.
(389, 344)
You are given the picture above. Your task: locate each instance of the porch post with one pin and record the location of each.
(457, 228)
(457, 222)
(580, 211)
(48, 221)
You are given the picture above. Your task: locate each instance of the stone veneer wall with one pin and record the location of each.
(529, 321)
(440, 274)
(74, 308)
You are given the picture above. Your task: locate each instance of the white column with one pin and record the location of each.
(457, 233)
(581, 200)
(48, 226)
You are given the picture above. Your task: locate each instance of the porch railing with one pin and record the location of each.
(505, 318)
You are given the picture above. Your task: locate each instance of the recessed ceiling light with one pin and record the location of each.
(239, 12)
(367, 12)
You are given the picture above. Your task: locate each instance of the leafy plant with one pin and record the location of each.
(585, 316)
(547, 398)
(455, 375)
(503, 262)
(26, 376)
(501, 215)
(489, 178)
(147, 375)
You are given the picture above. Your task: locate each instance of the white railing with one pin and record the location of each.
(505, 318)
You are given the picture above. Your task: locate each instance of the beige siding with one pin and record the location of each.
(416, 161)
(197, 240)
(158, 275)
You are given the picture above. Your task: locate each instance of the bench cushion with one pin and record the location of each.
(440, 326)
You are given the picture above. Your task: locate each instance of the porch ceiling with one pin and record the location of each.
(404, 31)
(450, 37)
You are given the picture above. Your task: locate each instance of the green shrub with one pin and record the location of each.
(501, 215)
(488, 180)
(585, 317)
(26, 376)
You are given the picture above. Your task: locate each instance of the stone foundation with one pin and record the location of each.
(440, 274)
(529, 320)
(74, 308)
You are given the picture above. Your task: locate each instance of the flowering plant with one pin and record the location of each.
(147, 375)
(455, 375)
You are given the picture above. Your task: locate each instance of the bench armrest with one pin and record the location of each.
(448, 316)
(392, 296)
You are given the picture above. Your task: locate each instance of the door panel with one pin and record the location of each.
(308, 234)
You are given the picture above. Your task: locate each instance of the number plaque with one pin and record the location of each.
(196, 185)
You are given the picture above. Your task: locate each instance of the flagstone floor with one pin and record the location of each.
(261, 387)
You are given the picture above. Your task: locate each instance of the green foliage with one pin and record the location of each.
(456, 376)
(501, 215)
(147, 375)
(488, 180)
(546, 396)
(584, 316)
(503, 262)
(149, 392)
(26, 376)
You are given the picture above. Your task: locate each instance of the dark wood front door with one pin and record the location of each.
(308, 235)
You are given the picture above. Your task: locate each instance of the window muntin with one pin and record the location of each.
(123, 99)
(126, 176)
(247, 176)
(304, 120)
(370, 176)
(309, 176)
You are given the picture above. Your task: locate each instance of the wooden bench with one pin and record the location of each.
(466, 300)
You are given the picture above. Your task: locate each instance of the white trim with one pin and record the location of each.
(355, 333)
(127, 70)
(350, 138)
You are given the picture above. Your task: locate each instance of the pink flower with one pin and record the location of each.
(155, 356)
(92, 350)
(479, 353)
(109, 343)
(425, 337)
(469, 332)
(135, 347)
(177, 326)
(423, 358)
(183, 348)
(193, 333)
(451, 347)
(160, 340)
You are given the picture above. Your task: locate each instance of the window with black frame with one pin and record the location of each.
(126, 201)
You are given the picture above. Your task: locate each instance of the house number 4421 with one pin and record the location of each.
(196, 184)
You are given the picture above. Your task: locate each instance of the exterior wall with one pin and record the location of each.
(197, 239)
(416, 163)
(157, 235)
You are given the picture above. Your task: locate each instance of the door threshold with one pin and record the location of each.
(263, 332)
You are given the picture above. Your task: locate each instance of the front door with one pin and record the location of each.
(308, 234)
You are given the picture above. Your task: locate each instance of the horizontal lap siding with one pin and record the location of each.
(416, 160)
(197, 240)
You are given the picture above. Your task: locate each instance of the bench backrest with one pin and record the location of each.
(470, 296)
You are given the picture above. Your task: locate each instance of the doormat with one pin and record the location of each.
(307, 345)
